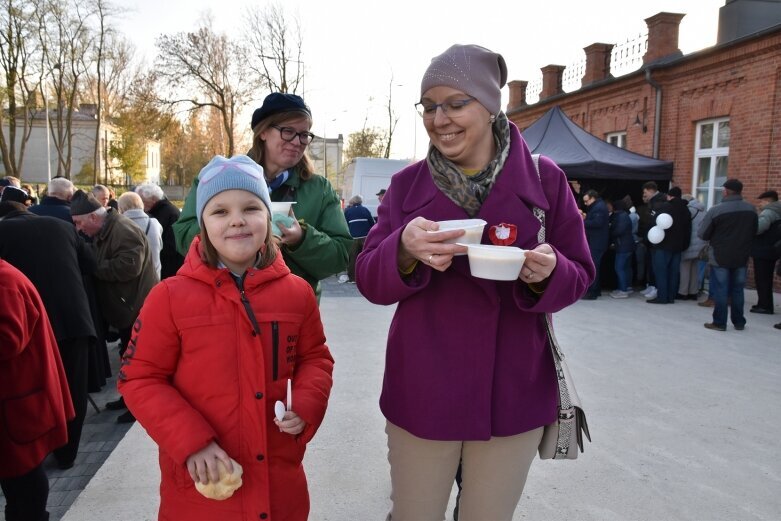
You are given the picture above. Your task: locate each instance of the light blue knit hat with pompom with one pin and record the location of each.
(236, 173)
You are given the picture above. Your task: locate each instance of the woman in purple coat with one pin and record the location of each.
(469, 375)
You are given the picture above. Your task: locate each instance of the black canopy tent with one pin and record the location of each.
(584, 156)
(612, 171)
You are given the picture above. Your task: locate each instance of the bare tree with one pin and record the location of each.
(65, 40)
(206, 63)
(103, 10)
(393, 120)
(274, 48)
(19, 86)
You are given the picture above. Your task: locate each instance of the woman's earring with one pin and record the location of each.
(492, 119)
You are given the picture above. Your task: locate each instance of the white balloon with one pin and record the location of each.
(656, 235)
(664, 220)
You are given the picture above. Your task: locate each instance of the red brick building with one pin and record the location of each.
(715, 113)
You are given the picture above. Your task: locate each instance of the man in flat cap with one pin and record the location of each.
(730, 227)
(124, 273)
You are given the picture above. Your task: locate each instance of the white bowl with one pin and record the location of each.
(282, 207)
(487, 261)
(473, 231)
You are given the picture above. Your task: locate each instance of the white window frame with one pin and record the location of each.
(713, 153)
(620, 141)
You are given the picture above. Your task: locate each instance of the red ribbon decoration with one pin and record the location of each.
(503, 234)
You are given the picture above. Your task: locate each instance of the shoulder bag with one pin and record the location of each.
(563, 438)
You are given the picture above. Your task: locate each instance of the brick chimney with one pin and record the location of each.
(517, 94)
(662, 36)
(551, 80)
(597, 62)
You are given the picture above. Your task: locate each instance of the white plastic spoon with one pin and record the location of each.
(279, 410)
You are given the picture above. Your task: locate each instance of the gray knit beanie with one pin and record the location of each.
(472, 69)
(236, 173)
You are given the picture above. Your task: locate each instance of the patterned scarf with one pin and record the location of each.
(469, 192)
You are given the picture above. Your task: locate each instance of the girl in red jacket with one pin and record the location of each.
(212, 351)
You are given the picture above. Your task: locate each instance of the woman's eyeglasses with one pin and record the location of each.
(289, 134)
(452, 108)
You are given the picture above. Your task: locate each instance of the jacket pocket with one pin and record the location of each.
(29, 417)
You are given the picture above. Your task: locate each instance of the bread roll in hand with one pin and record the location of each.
(226, 486)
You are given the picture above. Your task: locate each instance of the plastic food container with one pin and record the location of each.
(282, 207)
(487, 261)
(473, 231)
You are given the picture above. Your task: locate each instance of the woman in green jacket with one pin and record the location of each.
(316, 244)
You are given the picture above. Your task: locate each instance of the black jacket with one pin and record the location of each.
(52, 255)
(170, 259)
(597, 227)
(53, 207)
(730, 227)
(677, 236)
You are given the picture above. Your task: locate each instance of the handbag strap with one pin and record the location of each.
(539, 213)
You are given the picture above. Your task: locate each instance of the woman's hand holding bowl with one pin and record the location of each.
(539, 264)
(429, 248)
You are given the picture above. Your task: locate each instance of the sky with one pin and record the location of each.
(353, 48)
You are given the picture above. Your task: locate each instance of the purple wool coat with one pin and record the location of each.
(468, 358)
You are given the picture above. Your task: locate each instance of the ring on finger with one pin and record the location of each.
(430, 257)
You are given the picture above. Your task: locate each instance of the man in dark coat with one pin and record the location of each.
(360, 221)
(596, 221)
(666, 256)
(730, 227)
(157, 206)
(57, 200)
(124, 274)
(51, 254)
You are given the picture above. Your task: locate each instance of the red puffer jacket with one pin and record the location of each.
(34, 398)
(196, 371)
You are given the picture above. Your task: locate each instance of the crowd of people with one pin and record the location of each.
(675, 246)
(224, 360)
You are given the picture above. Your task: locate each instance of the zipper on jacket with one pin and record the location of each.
(275, 348)
(247, 306)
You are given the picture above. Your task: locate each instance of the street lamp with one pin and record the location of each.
(56, 66)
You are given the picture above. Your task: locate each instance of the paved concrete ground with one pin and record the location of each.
(683, 419)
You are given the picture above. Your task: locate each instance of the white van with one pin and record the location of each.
(365, 176)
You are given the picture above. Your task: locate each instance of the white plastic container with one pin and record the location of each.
(282, 207)
(473, 231)
(487, 261)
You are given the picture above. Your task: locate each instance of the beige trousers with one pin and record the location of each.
(493, 475)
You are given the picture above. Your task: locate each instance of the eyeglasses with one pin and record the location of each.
(452, 109)
(289, 134)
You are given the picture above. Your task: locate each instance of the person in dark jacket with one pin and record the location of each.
(125, 273)
(54, 261)
(597, 224)
(764, 252)
(56, 203)
(360, 221)
(730, 227)
(35, 399)
(159, 207)
(666, 256)
(653, 199)
(623, 240)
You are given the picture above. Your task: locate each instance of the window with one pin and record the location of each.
(711, 158)
(616, 138)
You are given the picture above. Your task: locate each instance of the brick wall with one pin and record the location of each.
(740, 80)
